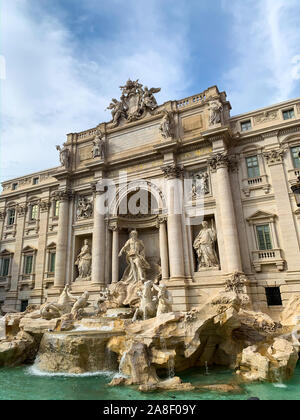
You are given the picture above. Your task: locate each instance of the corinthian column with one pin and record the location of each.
(64, 198)
(163, 246)
(173, 174)
(99, 241)
(221, 164)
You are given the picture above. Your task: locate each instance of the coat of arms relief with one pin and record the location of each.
(135, 102)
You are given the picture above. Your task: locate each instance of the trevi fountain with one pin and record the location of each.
(130, 339)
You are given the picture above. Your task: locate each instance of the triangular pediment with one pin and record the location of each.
(5, 252)
(260, 215)
(28, 249)
(52, 245)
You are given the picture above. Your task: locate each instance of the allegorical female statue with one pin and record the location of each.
(205, 247)
(84, 261)
(135, 256)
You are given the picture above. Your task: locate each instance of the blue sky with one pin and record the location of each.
(65, 60)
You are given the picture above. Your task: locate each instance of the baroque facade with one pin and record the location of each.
(236, 219)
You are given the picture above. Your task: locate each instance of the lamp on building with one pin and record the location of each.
(296, 189)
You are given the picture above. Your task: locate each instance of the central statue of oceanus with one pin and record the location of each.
(135, 257)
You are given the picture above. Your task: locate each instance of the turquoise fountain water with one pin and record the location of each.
(27, 383)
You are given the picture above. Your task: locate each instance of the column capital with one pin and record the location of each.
(275, 156)
(222, 160)
(45, 205)
(172, 171)
(161, 219)
(2, 214)
(94, 187)
(63, 195)
(22, 209)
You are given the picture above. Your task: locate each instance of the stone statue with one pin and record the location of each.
(216, 108)
(135, 256)
(64, 156)
(80, 304)
(134, 103)
(147, 308)
(62, 307)
(118, 110)
(84, 261)
(165, 299)
(149, 100)
(99, 146)
(84, 209)
(166, 126)
(205, 247)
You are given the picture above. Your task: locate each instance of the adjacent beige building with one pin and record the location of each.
(235, 173)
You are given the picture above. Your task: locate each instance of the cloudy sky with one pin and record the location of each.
(61, 61)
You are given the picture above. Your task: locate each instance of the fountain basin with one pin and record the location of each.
(76, 352)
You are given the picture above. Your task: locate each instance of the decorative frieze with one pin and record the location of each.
(84, 208)
(172, 171)
(266, 116)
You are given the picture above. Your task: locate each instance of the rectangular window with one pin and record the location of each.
(253, 167)
(14, 186)
(52, 262)
(288, 114)
(11, 217)
(295, 156)
(34, 212)
(56, 208)
(273, 296)
(28, 262)
(35, 181)
(5, 267)
(246, 125)
(264, 237)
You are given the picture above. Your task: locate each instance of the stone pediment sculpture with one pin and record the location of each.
(64, 156)
(135, 102)
(205, 246)
(84, 208)
(98, 146)
(84, 262)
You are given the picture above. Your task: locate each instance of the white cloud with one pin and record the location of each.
(52, 88)
(264, 42)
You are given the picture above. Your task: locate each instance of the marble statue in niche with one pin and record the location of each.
(84, 261)
(205, 246)
(135, 257)
(98, 146)
(84, 208)
(216, 109)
